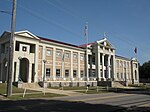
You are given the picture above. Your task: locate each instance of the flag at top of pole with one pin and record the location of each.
(135, 50)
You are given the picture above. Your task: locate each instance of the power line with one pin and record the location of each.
(132, 43)
(67, 11)
(47, 20)
(64, 9)
(34, 14)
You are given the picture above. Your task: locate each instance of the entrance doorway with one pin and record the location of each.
(24, 69)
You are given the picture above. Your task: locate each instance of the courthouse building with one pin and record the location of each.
(37, 59)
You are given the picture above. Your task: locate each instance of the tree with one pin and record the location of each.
(144, 71)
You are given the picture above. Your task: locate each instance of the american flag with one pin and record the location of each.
(135, 50)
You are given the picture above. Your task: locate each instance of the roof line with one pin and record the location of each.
(59, 42)
(122, 57)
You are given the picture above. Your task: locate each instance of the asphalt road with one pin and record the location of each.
(119, 99)
(108, 102)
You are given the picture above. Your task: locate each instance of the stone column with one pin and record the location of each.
(17, 70)
(79, 66)
(109, 57)
(137, 73)
(30, 73)
(113, 68)
(71, 65)
(103, 73)
(125, 67)
(54, 63)
(36, 62)
(63, 57)
(90, 65)
(97, 62)
(87, 72)
(43, 58)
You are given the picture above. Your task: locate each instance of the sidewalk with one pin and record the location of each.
(56, 91)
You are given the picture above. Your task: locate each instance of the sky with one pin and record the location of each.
(126, 22)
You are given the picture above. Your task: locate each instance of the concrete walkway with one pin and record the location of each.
(56, 91)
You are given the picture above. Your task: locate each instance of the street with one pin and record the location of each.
(106, 102)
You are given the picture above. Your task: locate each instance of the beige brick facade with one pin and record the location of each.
(37, 59)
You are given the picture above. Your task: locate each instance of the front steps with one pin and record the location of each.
(117, 84)
(27, 85)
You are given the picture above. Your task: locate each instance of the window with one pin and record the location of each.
(93, 73)
(47, 72)
(74, 56)
(24, 48)
(66, 73)
(117, 62)
(57, 72)
(66, 55)
(82, 58)
(127, 65)
(7, 49)
(128, 76)
(48, 52)
(135, 65)
(121, 75)
(106, 49)
(93, 60)
(125, 76)
(118, 75)
(58, 53)
(89, 59)
(124, 64)
(74, 73)
(82, 73)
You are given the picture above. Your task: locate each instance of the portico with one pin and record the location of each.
(101, 60)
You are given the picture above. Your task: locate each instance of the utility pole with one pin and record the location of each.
(11, 49)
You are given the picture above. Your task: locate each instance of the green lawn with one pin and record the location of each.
(77, 88)
(34, 95)
(17, 93)
(141, 86)
(3, 87)
(91, 89)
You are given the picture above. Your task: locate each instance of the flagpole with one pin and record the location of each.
(86, 36)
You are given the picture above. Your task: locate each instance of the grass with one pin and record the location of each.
(141, 86)
(77, 88)
(17, 93)
(35, 95)
(91, 89)
(3, 87)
